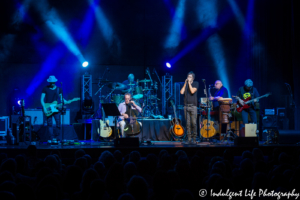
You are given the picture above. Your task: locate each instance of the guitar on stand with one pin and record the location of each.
(208, 130)
(176, 129)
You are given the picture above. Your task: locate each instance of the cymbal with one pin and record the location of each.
(147, 89)
(130, 84)
(116, 86)
(144, 81)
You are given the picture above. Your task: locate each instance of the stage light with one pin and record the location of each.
(85, 64)
(174, 36)
(19, 102)
(168, 65)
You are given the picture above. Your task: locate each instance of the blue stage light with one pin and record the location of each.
(168, 65)
(85, 64)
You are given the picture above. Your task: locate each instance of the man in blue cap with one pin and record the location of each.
(245, 92)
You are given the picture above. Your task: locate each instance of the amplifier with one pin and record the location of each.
(38, 117)
(270, 111)
(4, 124)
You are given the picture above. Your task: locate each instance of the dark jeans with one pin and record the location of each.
(252, 113)
(50, 125)
(190, 113)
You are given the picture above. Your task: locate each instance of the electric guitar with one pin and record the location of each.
(247, 102)
(53, 107)
(104, 130)
(176, 127)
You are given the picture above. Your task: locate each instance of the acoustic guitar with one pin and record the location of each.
(104, 130)
(54, 106)
(208, 130)
(176, 127)
(247, 102)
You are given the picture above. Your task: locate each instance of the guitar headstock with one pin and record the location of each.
(270, 93)
(76, 99)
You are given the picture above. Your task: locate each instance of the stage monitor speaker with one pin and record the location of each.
(246, 141)
(127, 142)
(288, 136)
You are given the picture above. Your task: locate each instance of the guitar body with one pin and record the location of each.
(132, 129)
(240, 108)
(177, 128)
(105, 130)
(51, 108)
(208, 129)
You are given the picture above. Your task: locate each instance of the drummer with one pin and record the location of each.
(129, 84)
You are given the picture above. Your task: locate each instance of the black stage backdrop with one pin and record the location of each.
(130, 37)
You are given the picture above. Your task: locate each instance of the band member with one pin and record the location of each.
(221, 92)
(128, 83)
(243, 93)
(52, 93)
(189, 90)
(124, 109)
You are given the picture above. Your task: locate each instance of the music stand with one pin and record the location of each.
(111, 109)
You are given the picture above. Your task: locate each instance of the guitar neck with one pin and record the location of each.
(175, 113)
(257, 98)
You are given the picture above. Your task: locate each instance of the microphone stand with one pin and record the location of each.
(207, 104)
(100, 89)
(62, 113)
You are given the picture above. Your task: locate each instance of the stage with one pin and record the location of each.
(94, 149)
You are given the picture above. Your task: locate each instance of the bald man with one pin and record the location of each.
(221, 92)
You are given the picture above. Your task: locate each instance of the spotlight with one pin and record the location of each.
(85, 64)
(168, 65)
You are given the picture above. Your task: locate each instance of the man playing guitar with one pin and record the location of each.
(50, 94)
(124, 109)
(243, 93)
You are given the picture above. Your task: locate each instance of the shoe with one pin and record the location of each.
(189, 141)
(194, 141)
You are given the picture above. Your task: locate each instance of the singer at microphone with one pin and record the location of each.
(221, 92)
(189, 90)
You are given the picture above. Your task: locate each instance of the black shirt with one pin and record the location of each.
(190, 98)
(222, 92)
(51, 95)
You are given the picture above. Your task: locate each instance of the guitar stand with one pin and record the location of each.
(230, 134)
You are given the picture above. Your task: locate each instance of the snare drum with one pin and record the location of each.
(138, 92)
(117, 98)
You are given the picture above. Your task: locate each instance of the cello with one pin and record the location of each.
(132, 126)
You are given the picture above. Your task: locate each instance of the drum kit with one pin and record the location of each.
(143, 93)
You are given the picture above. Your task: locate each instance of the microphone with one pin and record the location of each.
(211, 86)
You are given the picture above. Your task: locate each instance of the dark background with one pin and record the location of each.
(30, 52)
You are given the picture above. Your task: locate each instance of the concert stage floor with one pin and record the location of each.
(94, 149)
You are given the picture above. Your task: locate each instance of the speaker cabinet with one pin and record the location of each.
(38, 117)
(246, 141)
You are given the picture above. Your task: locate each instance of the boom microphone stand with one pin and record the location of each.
(63, 112)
